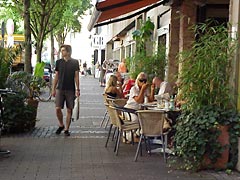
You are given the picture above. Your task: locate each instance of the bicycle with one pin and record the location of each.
(31, 86)
(43, 93)
(2, 93)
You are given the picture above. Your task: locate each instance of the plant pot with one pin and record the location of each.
(33, 103)
(222, 161)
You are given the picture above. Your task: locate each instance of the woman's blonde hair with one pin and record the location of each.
(112, 82)
(140, 75)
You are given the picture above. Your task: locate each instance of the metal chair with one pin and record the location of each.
(122, 126)
(151, 123)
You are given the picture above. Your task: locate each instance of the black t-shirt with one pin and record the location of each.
(66, 73)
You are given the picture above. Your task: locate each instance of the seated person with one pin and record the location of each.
(112, 89)
(127, 85)
(119, 78)
(163, 86)
(138, 93)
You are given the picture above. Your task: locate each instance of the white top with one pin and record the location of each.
(165, 87)
(131, 103)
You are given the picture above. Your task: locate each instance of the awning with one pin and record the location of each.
(110, 9)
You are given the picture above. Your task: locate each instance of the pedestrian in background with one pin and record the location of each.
(65, 87)
(97, 70)
(105, 66)
(122, 67)
(85, 68)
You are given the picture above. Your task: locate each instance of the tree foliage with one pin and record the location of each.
(60, 16)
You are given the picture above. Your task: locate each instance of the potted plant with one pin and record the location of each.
(28, 84)
(209, 108)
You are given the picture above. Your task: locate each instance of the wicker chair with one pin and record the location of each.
(116, 102)
(112, 101)
(121, 125)
(105, 116)
(151, 123)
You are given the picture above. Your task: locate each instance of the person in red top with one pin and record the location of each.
(127, 85)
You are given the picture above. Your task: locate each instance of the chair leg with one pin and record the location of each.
(132, 137)
(109, 132)
(118, 142)
(115, 147)
(107, 122)
(114, 133)
(149, 147)
(145, 142)
(139, 144)
(104, 117)
(164, 150)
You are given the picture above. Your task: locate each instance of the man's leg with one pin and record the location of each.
(60, 120)
(59, 116)
(59, 105)
(70, 97)
(68, 118)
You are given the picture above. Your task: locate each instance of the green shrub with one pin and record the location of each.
(205, 87)
(18, 116)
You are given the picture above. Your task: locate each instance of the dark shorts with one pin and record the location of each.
(62, 96)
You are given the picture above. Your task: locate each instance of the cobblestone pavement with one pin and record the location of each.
(42, 155)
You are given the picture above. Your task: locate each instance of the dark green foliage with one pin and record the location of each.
(205, 88)
(197, 133)
(18, 116)
(7, 56)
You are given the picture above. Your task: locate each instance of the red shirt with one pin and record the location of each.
(128, 86)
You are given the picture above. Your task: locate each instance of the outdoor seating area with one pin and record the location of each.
(151, 129)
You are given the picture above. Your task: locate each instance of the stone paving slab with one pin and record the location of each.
(66, 158)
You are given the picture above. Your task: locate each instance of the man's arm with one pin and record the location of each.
(55, 84)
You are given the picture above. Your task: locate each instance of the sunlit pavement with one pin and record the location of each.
(42, 155)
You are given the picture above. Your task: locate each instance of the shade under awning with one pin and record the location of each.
(110, 9)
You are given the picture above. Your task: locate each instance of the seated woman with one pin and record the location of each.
(138, 93)
(112, 89)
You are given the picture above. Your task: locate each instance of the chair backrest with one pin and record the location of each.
(104, 98)
(117, 102)
(151, 122)
(113, 114)
(120, 102)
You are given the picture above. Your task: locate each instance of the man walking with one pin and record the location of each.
(65, 87)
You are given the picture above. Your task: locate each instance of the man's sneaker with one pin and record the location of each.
(67, 133)
(59, 130)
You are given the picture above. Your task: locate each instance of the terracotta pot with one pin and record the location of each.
(34, 104)
(222, 161)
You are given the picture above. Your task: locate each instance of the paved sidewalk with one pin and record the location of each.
(42, 155)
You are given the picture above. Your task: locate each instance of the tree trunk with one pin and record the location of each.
(27, 34)
(52, 50)
(39, 51)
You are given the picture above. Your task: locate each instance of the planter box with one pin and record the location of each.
(223, 160)
(238, 163)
